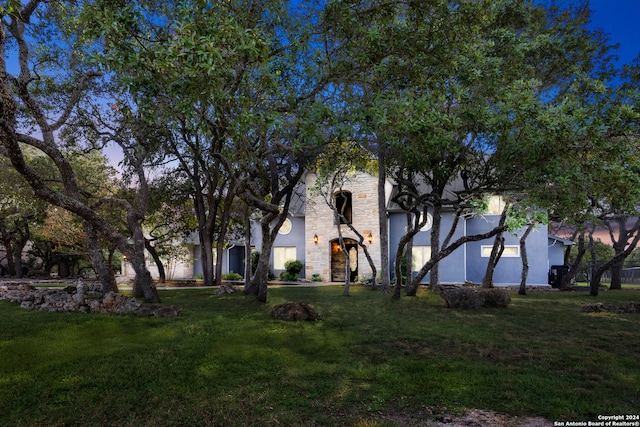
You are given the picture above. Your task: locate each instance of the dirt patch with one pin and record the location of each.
(471, 418)
(481, 418)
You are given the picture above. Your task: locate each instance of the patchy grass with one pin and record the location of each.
(225, 362)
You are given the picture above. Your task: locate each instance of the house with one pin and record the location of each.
(310, 234)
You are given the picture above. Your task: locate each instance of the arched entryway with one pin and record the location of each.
(338, 260)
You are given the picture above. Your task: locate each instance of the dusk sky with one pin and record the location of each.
(619, 18)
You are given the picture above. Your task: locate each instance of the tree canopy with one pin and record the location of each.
(232, 101)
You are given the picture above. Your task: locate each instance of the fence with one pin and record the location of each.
(630, 272)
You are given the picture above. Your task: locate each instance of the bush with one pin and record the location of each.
(255, 256)
(294, 266)
(231, 276)
(316, 277)
(288, 277)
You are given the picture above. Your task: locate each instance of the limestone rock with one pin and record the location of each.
(473, 297)
(599, 307)
(80, 298)
(293, 311)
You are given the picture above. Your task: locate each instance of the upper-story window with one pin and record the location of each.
(286, 227)
(344, 206)
(496, 205)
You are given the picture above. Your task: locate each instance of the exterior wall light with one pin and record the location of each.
(315, 239)
(370, 238)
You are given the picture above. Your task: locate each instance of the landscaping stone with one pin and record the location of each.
(474, 297)
(81, 298)
(227, 288)
(599, 307)
(294, 311)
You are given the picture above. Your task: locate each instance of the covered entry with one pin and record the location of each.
(338, 260)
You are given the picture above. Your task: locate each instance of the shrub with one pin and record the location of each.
(288, 277)
(255, 256)
(316, 277)
(231, 276)
(294, 266)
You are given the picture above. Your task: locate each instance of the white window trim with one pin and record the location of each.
(485, 251)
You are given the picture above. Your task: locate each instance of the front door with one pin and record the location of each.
(338, 260)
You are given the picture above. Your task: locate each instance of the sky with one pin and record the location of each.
(620, 19)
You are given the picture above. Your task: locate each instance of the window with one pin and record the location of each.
(427, 225)
(495, 206)
(281, 255)
(510, 251)
(286, 227)
(419, 257)
(343, 206)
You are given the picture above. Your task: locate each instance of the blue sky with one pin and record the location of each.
(620, 19)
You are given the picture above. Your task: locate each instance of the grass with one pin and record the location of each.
(225, 362)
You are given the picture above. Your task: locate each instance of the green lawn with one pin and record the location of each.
(225, 362)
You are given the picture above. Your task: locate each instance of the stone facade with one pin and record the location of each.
(319, 221)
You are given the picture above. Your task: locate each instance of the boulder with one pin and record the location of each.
(599, 307)
(157, 310)
(294, 311)
(473, 297)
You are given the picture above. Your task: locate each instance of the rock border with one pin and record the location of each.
(81, 298)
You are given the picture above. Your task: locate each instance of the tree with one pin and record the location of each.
(60, 242)
(53, 82)
(334, 168)
(19, 213)
(435, 81)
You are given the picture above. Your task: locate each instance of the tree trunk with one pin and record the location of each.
(162, 276)
(496, 253)
(525, 260)
(404, 240)
(247, 246)
(619, 245)
(206, 255)
(434, 274)
(64, 269)
(593, 281)
(8, 246)
(385, 278)
(17, 260)
(409, 255)
(260, 280)
(143, 286)
(492, 263)
(347, 264)
(622, 247)
(347, 270)
(573, 271)
(103, 270)
(446, 250)
(218, 266)
(616, 275)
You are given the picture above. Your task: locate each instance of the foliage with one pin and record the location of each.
(294, 266)
(292, 270)
(287, 276)
(315, 277)
(231, 276)
(255, 256)
(603, 252)
(342, 370)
